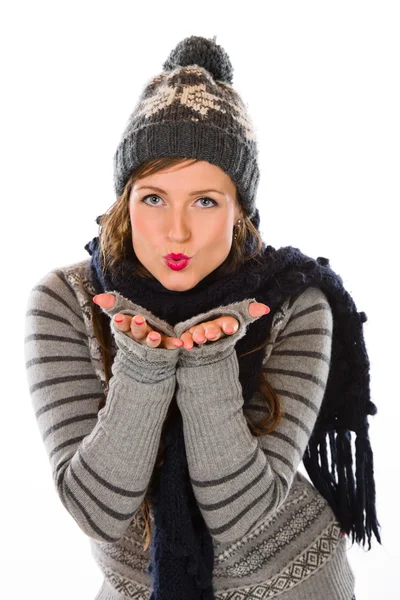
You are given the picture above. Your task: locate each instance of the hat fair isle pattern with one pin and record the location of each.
(191, 110)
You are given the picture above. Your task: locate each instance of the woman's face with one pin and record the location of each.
(177, 218)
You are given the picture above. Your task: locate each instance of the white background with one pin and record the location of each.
(321, 82)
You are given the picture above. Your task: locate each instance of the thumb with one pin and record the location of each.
(258, 309)
(104, 300)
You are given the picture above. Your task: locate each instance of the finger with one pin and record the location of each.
(187, 340)
(153, 339)
(213, 332)
(122, 322)
(171, 343)
(104, 300)
(257, 309)
(198, 334)
(228, 325)
(139, 328)
(127, 324)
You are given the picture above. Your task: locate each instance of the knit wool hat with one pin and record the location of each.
(191, 110)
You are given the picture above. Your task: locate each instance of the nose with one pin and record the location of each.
(177, 227)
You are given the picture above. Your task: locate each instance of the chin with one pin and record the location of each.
(179, 281)
(179, 285)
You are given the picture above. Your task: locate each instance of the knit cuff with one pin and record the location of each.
(212, 352)
(137, 355)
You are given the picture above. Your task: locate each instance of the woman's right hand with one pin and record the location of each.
(141, 333)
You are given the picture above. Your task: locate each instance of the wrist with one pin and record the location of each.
(208, 353)
(214, 388)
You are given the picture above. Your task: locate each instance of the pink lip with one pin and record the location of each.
(176, 256)
(176, 265)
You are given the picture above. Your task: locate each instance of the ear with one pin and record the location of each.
(239, 215)
(238, 210)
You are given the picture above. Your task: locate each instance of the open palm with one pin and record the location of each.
(137, 328)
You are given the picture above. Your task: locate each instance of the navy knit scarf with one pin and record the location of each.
(181, 549)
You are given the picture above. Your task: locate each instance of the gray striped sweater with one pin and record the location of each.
(273, 533)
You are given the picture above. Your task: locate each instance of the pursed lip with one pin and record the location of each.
(177, 256)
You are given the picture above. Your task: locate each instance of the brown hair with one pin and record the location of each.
(115, 243)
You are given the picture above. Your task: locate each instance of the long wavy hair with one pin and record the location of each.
(115, 241)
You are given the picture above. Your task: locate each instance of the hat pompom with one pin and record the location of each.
(196, 50)
(321, 260)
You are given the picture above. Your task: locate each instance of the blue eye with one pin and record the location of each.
(210, 200)
(214, 203)
(151, 196)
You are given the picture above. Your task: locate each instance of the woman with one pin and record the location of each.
(177, 395)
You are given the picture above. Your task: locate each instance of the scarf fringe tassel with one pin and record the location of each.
(354, 506)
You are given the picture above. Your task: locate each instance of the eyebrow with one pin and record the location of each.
(157, 189)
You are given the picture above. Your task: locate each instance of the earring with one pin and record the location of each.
(238, 225)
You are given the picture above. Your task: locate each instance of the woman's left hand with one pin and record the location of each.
(218, 328)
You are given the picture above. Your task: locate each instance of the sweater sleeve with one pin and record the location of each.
(239, 479)
(101, 461)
